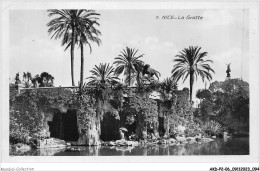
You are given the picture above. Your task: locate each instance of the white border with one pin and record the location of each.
(253, 7)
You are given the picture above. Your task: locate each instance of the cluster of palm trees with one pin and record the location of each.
(78, 27)
(189, 62)
(128, 63)
(43, 80)
(27, 76)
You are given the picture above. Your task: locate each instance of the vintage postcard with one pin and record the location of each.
(130, 82)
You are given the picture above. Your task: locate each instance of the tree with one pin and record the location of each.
(43, 80)
(190, 62)
(128, 62)
(85, 33)
(47, 79)
(228, 103)
(29, 76)
(168, 86)
(102, 79)
(144, 111)
(102, 75)
(24, 76)
(67, 25)
(203, 94)
(17, 79)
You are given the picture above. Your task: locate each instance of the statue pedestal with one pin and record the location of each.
(227, 78)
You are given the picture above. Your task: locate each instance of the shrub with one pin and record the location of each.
(212, 128)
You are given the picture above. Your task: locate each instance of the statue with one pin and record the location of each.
(150, 72)
(228, 70)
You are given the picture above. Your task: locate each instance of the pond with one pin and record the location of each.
(235, 146)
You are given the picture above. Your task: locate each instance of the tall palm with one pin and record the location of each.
(65, 26)
(29, 76)
(190, 62)
(24, 76)
(128, 62)
(85, 33)
(102, 74)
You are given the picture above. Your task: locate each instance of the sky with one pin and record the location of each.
(224, 34)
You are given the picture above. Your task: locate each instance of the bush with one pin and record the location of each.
(212, 128)
(192, 130)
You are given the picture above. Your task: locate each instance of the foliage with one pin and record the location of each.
(18, 132)
(12, 92)
(212, 128)
(128, 63)
(227, 103)
(190, 62)
(102, 74)
(193, 129)
(180, 111)
(43, 80)
(17, 79)
(27, 109)
(74, 26)
(143, 106)
(203, 94)
(25, 117)
(147, 89)
(167, 88)
(104, 94)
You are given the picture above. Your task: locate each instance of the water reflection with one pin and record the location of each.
(239, 146)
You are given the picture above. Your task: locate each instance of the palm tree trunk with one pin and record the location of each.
(72, 56)
(129, 82)
(167, 125)
(191, 84)
(82, 65)
(138, 78)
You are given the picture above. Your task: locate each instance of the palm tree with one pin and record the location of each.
(84, 34)
(65, 25)
(102, 74)
(128, 62)
(168, 86)
(24, 76)
(17, 79)
(75, 26)
(88, 33)
(190, 62)
(29, 76)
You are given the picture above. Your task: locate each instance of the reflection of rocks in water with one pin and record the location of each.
(94, 150)
(39, 152)
(181, 150)
(153, 150)
(164, 150)
(49, 152)
(124, 148)
(217, 147)
(21, 152)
